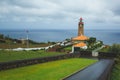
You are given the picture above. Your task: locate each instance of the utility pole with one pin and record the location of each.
(27, 39)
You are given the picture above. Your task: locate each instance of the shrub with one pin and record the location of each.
(91, 40)
(1, 36)
(115, 48)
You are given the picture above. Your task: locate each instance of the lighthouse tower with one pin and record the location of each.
(80, 27)
(80, 40)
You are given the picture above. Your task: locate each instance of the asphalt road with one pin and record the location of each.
(93, 72)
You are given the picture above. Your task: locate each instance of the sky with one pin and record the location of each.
(59, 14)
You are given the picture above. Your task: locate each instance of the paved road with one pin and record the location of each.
(93, 72)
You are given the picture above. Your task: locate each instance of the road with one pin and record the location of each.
(93, 72)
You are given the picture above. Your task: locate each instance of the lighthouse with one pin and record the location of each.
(80, 40)
(80, 27)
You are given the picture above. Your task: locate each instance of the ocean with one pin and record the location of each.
(108, 37)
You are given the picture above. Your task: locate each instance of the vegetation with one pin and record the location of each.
(55, 70)
(105, 49)
(93, 44)
(1, 36)
(115, 48)
(51, 42)
(91, 40)
(116, 72)
(9, 43)
(69, 48)
(18, 55)
(19, 45)
(65, 48)
(68, 40)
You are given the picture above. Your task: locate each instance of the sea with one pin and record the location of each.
(108, 37)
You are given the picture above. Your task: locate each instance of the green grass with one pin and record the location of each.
(68, 48)
(18, 55)
(116, 72)
(55, 70)
(104, 50)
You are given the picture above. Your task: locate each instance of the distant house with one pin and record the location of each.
(2, 41)
(23, 41)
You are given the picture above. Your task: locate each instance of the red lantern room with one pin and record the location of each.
(81, 21)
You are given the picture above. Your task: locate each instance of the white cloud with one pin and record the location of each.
(67, 11)
(16, 19)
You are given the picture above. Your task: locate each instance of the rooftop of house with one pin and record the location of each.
(80, 38)
(81, 44)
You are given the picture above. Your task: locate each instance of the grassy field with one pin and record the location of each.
(116, 72)
(17, 45)
(68, 48)
(105, 49)
(55, 70)
(18, 55)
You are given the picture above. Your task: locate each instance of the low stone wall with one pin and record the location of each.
(85, 53)
(107, 55)
(19, 63)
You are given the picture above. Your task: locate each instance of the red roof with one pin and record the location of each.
(82, 44)
(80, 38)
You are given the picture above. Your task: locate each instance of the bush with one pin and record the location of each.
(1, 36)
(91, 40)
(115, 48)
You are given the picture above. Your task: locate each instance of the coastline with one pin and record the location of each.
(108, 36)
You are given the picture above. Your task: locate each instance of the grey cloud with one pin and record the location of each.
(116, 11)
(66, 11)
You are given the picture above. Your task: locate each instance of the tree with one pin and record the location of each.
(115, 48)
(91, 40)
(1, 36)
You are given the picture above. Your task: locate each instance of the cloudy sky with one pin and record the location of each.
(59, 14)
